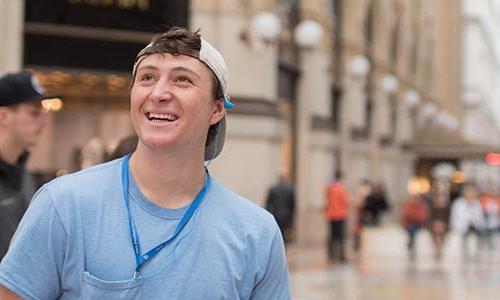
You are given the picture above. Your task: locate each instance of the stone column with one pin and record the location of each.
(255, 132)
(385, 86)
(313, 95)
(313, 99)
(11, 35)
(375, 128)
(303, 123)
(352, 115)
(404, 126)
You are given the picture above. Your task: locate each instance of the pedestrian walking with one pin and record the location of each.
(415, 216)
(154, 224)
(22, 120)
(359, 213)
(336, 212)
(281, 203)
(467, 218)
(491, 213)
(376, 204)
(439, 221)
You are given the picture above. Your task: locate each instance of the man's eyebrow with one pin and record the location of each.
(150, 67)
(179, 68)
(184, 69)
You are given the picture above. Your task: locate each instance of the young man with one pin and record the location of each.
(155, 224)
(22, 119)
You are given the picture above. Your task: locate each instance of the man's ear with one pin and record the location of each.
(218, 112)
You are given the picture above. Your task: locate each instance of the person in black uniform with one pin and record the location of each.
(281, 203)
(22, 119)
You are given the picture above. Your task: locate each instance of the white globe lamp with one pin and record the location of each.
(358, 66)
(266, 25)
(411, 98)
(389, 83)
(308, 33)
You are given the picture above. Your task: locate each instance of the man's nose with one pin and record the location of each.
(162, 91)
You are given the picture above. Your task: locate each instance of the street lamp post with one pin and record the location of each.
(386, 86)
(352, 109)
(265, 28)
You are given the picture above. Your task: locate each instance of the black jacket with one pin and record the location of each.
(281, 202)
(16, 189)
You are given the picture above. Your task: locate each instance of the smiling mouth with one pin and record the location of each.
(155, 117)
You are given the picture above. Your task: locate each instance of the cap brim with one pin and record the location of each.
(214, 146)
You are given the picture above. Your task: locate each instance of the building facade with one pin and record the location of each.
(379, 89)
(480, 88)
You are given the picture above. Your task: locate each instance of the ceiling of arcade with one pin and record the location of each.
(82, 90)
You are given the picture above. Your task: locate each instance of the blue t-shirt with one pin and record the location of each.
(74, 243)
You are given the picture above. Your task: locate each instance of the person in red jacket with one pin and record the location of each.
(336, 212)
(415, 216)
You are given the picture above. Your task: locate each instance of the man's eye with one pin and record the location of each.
(146, 77)
(182, 79)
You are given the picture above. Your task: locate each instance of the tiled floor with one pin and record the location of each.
(383, 271)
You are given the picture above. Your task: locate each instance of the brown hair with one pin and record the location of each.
(178, 41)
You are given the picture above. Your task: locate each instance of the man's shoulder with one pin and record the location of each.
(87, 180)
(103, 169)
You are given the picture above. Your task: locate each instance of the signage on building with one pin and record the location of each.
(95, 34)
(493, 159)
(124, 4)
(136, 15)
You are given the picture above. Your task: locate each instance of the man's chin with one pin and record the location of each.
(157, 143)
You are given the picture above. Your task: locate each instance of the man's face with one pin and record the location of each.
(24, 122)
(172, 105)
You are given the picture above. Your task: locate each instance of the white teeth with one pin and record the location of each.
(167, 117)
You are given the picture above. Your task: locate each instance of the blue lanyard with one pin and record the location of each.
(141, 260)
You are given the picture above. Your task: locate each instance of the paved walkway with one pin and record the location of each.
(383, 271)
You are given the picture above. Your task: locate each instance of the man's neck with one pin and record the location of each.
(166, 179)
(9, 152)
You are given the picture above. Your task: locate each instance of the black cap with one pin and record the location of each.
(20, 87)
